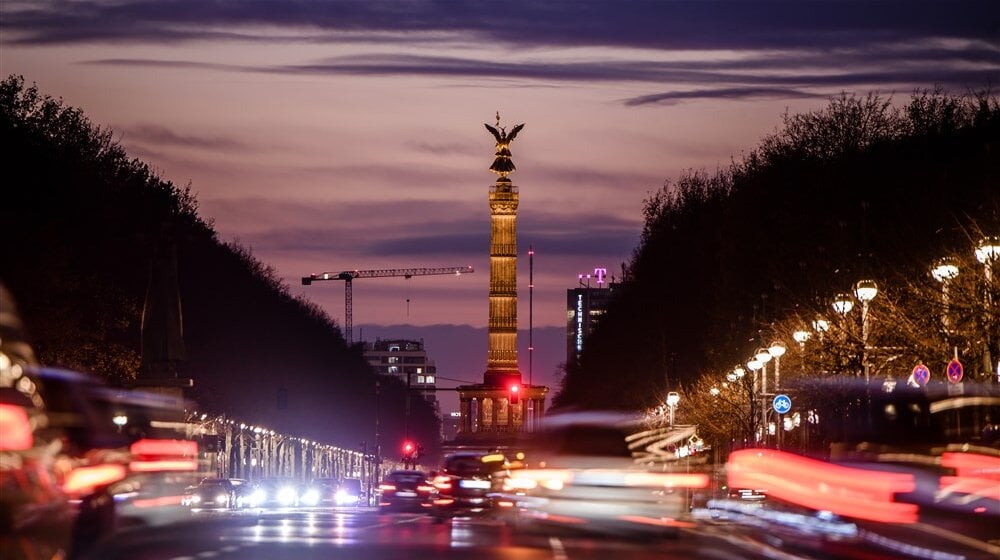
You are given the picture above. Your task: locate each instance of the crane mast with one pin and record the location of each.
(348, 277)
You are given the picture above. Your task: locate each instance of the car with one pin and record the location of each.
(319, 492)
(405, 490)
(278, 492)
(465, 484)
(220, 493)
(105, 463)
(349, 492)
(582, 475)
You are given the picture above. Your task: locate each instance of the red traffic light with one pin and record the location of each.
(515, 392)
(408, 448)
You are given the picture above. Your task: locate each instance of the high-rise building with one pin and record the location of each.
(406, 360)
(585, 305)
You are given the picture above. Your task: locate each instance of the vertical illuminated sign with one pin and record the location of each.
(579, 322)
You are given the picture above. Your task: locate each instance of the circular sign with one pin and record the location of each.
(781, 404)
(921, 374)
(955, 371)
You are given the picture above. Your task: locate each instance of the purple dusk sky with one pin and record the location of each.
(349, 134)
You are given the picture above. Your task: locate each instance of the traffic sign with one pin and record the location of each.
(921, 374)
(955, 371)
(781, 404)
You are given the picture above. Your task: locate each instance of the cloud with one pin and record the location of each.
(673, 97)
(731, 24)
(163, 136)
(404, 228)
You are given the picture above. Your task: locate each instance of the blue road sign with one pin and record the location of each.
(782, 404)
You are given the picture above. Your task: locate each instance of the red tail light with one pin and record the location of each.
(152, 455)
(442, 482)
(84, 480)
(15, 429)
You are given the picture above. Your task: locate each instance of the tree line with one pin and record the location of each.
(863, 188)
(81, 218)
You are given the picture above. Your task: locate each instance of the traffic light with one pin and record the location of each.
(408, 449)
(515, 393)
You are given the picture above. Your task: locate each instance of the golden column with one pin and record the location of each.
(501, 359)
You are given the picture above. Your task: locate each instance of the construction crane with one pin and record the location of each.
(348, 277)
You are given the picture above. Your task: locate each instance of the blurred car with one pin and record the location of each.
(320, 492)
(81, 460)
(278, 492)
(219, 493)
(583, 476)
(465, 484)
(349, 492)
(405, 491)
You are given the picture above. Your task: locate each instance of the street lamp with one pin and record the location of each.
(988, 253)
(777, 349)
(672, 399)
(843, 304)
(801, 336)
(865, 290)
(945, 270)
(756, 364)
(820, 325)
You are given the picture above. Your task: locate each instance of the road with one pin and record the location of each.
(365, 533)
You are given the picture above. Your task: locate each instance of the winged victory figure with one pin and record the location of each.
(503, 164)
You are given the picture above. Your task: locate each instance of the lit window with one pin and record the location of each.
(421, 379)
(393, 359)
(430, 379)
(393, 369)
(420, 370)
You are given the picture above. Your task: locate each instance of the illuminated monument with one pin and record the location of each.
(502, 406)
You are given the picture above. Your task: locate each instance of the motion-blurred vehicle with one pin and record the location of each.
(81, 460)
(465, 483)
(405, 491)
(320, 492)
(899, 465)
(221, 493)
(582, 475)
(278, 492)
(350, 492)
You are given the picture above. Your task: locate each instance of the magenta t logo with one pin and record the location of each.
(600, 273)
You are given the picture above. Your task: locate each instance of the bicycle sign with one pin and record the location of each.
(781, 404)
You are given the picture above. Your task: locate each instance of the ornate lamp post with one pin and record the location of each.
(673, 398)
(988, 253)
(945, 270)
(777, 349)
(843, 304)
(865, 290)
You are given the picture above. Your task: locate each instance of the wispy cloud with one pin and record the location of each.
(163, 136)
(725, 24)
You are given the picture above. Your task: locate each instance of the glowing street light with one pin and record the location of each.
(944, 271)
(777, 349)
(801, 336)
(843, 304)
(673, 398)
(865, 290)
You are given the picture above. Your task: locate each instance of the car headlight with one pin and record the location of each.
(286, 495)
(311, 497)
(195, 499)
(258, 496)
(222, 498)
